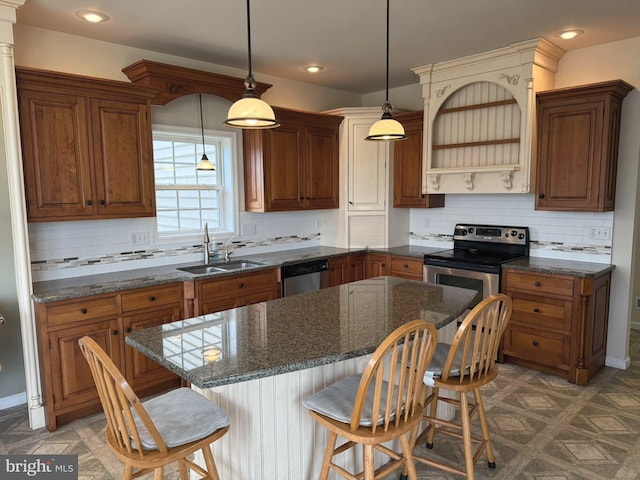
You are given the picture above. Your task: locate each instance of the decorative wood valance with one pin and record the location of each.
(173, 82)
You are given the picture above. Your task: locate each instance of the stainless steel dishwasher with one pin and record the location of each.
(305, 277)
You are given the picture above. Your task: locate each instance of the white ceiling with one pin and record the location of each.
(346, 36)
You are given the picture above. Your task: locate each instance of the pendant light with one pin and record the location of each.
(204, 163)
(250, 112)
(387, 129)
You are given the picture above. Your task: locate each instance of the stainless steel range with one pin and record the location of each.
(476, 258)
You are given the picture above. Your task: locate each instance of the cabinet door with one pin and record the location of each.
(283, 169)
(357, 267)
(367, 169)
(140, 371)
(407, 166)
(377, 265)
(338, 270)
(55, 145)
(123, 158)
(570, 160)
(321, 168)
(72, 383)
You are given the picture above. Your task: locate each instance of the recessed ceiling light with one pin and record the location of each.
(569, 34)
(313, 68)
(92, 16)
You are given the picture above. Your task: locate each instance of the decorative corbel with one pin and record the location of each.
(507, 178)
(434, 180)
(468, 180)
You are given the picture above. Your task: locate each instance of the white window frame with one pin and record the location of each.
(228, 187)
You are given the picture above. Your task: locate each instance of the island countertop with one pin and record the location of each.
(296, 332)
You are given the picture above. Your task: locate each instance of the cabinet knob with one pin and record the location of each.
(101, 202)
(241, 284)
(405, 266)
(383, 265)
(535, 343)
(152, 298)
(308, 198)
(541, 196)
(536, 310)
(89, 202)
(115, 332)
(83, 311)
(128, 329)
(537, 284)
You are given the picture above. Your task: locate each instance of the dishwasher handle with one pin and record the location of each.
(305, 268)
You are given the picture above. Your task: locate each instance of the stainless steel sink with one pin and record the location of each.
(222, 267)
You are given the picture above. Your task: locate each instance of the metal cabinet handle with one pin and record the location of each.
(536, 310)
(83, 311)
(535, 343)
(101, 202)
(241, 285)
(89, 202)
(541, 196)
(115, 332)
(128, 329)
(537, 284)
(405, 266)
(152, 298)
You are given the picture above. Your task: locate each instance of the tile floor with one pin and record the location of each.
(543, 428)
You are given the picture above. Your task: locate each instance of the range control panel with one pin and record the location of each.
(492, 234)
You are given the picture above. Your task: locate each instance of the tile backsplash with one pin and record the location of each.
(69, 249)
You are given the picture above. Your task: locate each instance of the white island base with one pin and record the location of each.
(272, 437)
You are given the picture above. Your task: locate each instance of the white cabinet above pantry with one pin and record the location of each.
(479, 118)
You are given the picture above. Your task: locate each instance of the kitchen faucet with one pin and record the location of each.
(227, 253)
(209, 254)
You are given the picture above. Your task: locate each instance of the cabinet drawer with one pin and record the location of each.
(542, 312)
(237, 284)
(539, 284)
(545, 348)
(151, 297)
(85, 309)
(410, 267)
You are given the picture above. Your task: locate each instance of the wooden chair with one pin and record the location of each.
(165, 429)
(383, 403)
(463, 367)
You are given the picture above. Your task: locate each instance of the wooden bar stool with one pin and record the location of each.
(384, 403)
(165, 429)
(463, 367)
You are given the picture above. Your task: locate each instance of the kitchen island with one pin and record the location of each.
(260, 362)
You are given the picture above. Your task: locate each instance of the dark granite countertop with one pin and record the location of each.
(297, 332)
(559, 267)
(63, 289)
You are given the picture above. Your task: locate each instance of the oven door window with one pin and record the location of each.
(463, 282)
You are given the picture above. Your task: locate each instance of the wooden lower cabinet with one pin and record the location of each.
(377, 265)
(67, 384)
(338, 270)
(406, 267)
(224, 293)
(558, 324)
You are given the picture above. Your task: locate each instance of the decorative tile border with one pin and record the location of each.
(74, 262)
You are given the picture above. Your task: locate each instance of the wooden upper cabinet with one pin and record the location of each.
(407, 166)
(87, 148)
(578, 131)
(293, 166)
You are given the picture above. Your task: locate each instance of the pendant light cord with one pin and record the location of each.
(387, 91)
(249, 38)
(201, 122)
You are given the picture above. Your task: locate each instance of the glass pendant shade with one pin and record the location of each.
(386, 129)
(251, 112)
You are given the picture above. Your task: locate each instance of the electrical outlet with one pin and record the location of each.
(248, 229)
(139, 238)
(600, 233)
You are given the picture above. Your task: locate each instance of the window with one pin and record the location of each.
(186, 198)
